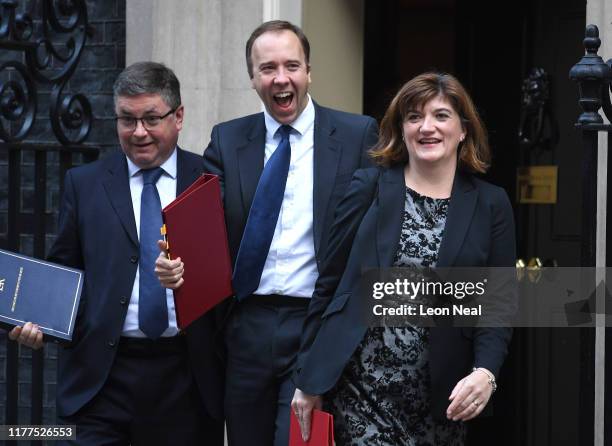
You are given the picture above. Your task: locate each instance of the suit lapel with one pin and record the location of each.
(391, 197)
(185, 174)
(250, 154)
(117, 186)
(460, 213)
(327, 153)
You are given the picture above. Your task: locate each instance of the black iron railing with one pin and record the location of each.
(594, 78)
(39, 52)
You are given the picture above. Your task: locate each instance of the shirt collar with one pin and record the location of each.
(169, 166)
(300, 125)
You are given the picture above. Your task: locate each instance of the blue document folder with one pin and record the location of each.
(44, 293)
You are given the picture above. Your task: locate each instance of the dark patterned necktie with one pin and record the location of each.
(152, 307)
(263, 216)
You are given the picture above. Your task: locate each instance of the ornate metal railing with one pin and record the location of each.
(47, 42)
(594, 78)
(50, 59)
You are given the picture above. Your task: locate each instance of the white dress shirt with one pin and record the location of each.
(291, 267)
(166, 186)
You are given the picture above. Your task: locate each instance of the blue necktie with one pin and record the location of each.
(152, 307)
(263, 216)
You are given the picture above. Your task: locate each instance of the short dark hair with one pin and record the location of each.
(474, 153)
(149, 78)
(276, 26)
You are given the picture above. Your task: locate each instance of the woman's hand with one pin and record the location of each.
(470, 396)
(302, 405)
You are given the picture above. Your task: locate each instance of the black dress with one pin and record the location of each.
(382, 397)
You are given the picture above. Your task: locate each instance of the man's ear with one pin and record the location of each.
(179, 114)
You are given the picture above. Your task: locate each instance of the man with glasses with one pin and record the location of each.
(129, 376)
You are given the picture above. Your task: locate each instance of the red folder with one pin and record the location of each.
(321, 430)
(195, 232)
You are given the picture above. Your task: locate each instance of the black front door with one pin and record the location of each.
(546, 394)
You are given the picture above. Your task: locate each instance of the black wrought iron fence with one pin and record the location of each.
(594, 78)
(42, 134)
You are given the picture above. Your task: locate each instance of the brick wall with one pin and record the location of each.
(102, 59)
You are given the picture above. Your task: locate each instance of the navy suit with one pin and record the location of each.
(97, 233)
(236, 154)
(479, 232)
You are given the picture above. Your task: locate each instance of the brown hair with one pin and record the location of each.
(149, 77)
(474, 154)
(276, 26)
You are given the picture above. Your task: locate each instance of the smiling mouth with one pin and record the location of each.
(142, 144)
(283, 99)
(429, 141)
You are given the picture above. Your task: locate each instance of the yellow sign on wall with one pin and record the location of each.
(536, 185)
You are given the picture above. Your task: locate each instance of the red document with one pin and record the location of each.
(321, 430)
(195, 232)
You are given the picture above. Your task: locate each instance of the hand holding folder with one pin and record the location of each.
(321, 430)
(43, 293)
(194, 226)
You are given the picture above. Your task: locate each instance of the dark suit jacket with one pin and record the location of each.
(97, 233)
(236, 154)
(479, 231)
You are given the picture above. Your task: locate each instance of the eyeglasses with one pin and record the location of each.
(148, 122)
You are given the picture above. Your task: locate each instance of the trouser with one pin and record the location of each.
(149, 398)
(263, 339)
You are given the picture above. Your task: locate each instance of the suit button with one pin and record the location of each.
(123, 301)
(111, 343)
(134, 259)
